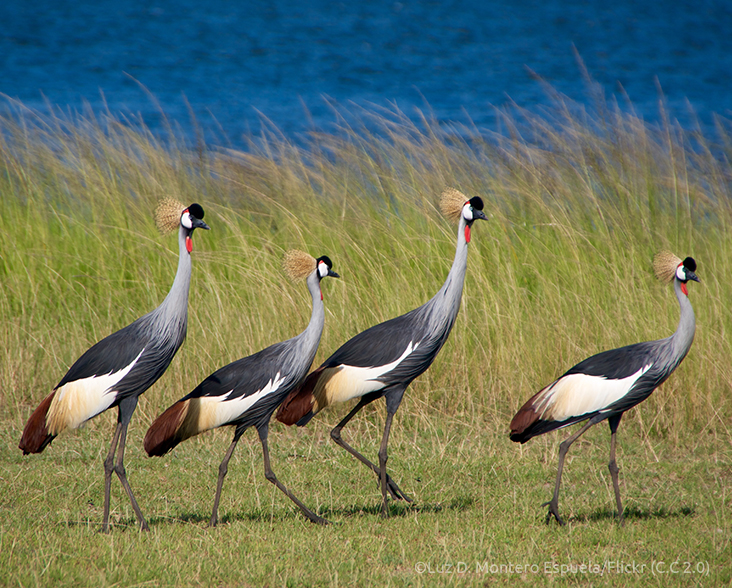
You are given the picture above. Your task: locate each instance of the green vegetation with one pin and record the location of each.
(578, 205)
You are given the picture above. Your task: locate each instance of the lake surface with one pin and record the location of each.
(232, 63)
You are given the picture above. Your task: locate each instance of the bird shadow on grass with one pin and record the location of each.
(634, 513)
(399, 509)
(197, 518)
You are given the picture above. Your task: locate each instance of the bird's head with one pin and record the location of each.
(685, 272)
(171, 215)
(668, 267)
(456, 206)
(299, 265)
(325, 267)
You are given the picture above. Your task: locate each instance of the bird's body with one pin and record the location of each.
(383, 360)
(246, 392)
(408, 345)
(609, 383)
(120, 367)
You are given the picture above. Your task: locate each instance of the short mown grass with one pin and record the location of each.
(578, 205)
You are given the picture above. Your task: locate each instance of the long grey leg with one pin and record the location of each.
(108, 470)
(553, 504)
(125, 409)
(223, 469)
(613, 466)
(383, 457)
(335, 434)
(270, 475)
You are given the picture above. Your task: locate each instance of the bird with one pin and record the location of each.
(246, 392)
(610, 383)
(119, 368)
(383, 360)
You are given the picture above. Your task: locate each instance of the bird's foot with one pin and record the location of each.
(315, 519)
(394, 491)
(553, 512)
(384, 510)
(621, 519)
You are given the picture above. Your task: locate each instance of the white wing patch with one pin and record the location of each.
(578, 394)
(349, 382)
(76, 402)
(216, 411)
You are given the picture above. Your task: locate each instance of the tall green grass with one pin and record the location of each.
(577, 208)
(577, 205)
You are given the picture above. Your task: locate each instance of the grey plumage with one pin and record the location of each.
(609, 383)
(383, 360)
(246, 392)
(117, 369)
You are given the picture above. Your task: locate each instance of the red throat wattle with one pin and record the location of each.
(189, 244)
(683, 289)
(467, 233)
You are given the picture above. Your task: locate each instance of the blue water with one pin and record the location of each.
(231, 63)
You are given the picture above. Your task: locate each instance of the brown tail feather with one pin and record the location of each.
(300, 401)
(35, 435)
(524, 419)
(165, 432)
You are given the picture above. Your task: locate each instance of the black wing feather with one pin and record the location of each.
(244, 376)
(380, 344)
(616, 364)
(386, 342)
(118, 350)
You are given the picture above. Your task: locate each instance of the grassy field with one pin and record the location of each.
(577, 206)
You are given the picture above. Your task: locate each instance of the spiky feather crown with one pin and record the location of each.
(167, 215)
(298, 265)
(664, 265)
(451, 203)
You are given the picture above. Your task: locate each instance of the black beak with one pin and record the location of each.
(332, 274)
(479, 214)
(199, 224)
(692, 276)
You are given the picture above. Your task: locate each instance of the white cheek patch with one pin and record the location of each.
(680, 273)
(322, 269)
(186, 221)
(468, 212)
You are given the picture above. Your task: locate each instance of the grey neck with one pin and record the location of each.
(174, 309)
(447, 300)
(306, 343)
(684, 335)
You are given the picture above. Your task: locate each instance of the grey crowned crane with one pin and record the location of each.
(246, 392)
(606, 385)
(120, 367)
(383, 360)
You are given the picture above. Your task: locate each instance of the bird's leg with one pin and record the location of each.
(383, 457)
(270, 475)
(335, 434)
(613, 467)
(119, 469)
(108, 469)
(553, 504)
(223, 468)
